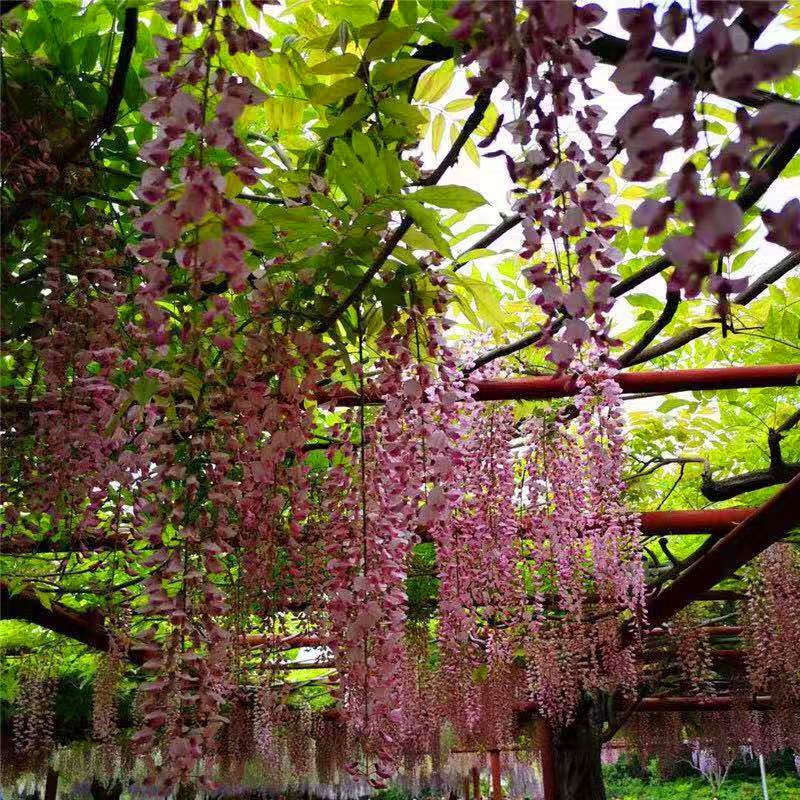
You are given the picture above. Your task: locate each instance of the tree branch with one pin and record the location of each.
(671, 65)
(471, 123)
(779, 470)
(756, 288)
(22, 207)
(473, 120)
(84, 627)
(673, 300)
(363, 73)
(772, 167)
(8, 5)
(106, 120)
(509, 223)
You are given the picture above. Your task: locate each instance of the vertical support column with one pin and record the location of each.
(466, 788)
(476, 783)
(544, 735)
(494, 766)
(51, 784)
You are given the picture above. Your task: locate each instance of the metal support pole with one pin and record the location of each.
(547, 753)
(763, 777)
(494, 765)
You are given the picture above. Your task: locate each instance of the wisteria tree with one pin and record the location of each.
(369, 370)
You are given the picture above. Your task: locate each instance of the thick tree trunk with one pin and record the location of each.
(51, 785)
(102, 792)
(578, 770)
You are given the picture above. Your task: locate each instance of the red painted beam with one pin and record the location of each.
(777, 517)
(654, 523)
(678, 704)
(714, 521)
(651, 382)
(713, 630)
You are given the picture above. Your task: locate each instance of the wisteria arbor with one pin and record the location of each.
(368, 373)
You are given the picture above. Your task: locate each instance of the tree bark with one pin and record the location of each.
(102, 792)
(578, 770)
(51, 785)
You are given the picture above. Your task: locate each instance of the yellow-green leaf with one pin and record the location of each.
(460, 104)
(433, 85)
(459, 198)
(437, 131)
(338, 65)
(326, 95)
(472, 151)
(391, 72)
(389, 41)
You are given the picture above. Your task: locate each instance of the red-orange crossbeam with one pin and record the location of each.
(546, 387)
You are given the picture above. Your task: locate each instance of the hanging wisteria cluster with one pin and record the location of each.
(584, 555)
(771, 620)
(543, 59)
(544, 65)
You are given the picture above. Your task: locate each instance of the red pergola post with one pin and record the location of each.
(476, 783)
(494, 766)
(544, 735)
(466, 788)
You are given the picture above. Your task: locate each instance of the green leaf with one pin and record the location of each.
(143, 389)
(459, 198)
(408, 11)
(742, 258)
(417, 240)
(644, 301)
(364, 149)
(33, 35)
(91, 50)
(792, 169)
(428, 223)
(474, 255)
(363, 177)
(472, 151)
(392, 166)
(671, 403)
(326, 95)
(341, 124)
(399, 109)
(437, 131)
(390, 72)
(634, 192)
(389, 41)
(346, 64)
